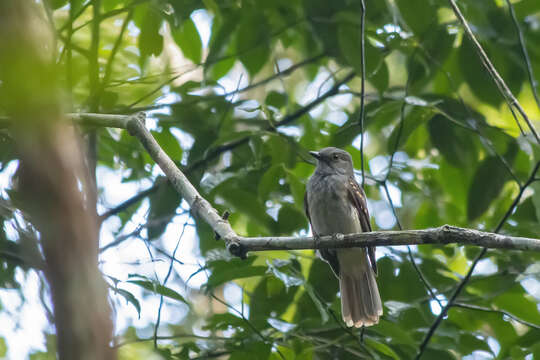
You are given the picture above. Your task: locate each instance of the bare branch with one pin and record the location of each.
(178, 180)
(442, 235)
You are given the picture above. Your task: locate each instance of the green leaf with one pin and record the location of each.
(221, 54)
(110, 4)
(535, 186)
(290, 219)
(224, 322)
(189, 40)
(76, 5)
(228, 270)
(3, 347)
(419, 15)
(271, 298)
(276, 99)
(398, 335)
(297, 188)
(487, 184)
(478, 78)
(468, 343)
(382, 348)
(323, 311)
(56, 4)
(130, 298)
(401, 132)
(455, 144)
(163, 204)
(252, 42)
(168, 143)
(283, 270)
(149, 20)
(159, 289)
(518, 304)
(259, 349)
(349, 44)
(270, 181)
(381, 77)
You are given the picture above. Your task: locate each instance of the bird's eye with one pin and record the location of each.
(336, 156)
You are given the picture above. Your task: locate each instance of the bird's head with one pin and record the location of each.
(332, 160)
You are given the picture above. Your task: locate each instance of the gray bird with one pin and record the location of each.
(335, 203)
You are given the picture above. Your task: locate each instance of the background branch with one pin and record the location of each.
(501, 85)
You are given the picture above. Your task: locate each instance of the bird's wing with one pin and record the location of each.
(358, 199)
(329, 255)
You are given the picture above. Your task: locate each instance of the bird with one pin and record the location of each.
(335, 204)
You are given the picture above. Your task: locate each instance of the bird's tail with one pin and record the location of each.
(360, 300)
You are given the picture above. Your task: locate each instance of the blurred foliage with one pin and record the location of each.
(247, 96)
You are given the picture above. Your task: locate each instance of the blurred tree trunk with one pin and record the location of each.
(54, 183)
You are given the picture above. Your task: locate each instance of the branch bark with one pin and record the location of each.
(238, 245)
(443, 235)
(199, 206)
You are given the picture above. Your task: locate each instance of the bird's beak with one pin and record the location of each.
(315, 154)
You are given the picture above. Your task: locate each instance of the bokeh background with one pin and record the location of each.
(237, 92)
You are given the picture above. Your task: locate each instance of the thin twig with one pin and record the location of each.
(114, 51)
(362, 86)
(156, 327)
(501, 85)
(170, 337)
(504, 313)
(131, 201)
(423, 279)
(523, 46)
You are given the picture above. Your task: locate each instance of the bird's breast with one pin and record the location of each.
(330, 209)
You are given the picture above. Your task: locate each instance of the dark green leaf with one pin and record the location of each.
(55, 4)
(290, 219)
(419, 15)
(163, 204)
(130, 298)
(349, 43)
(382, 348)
(149, 20)
(224, 271)
(487, 184)
(401, 132)
(189, 40)
(159, 289)
(276, 99)
(455, 144)
(259, 348)
(252, 42)
(468, 343)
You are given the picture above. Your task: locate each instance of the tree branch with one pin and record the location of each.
(239, 245)
(199, 206)
(442, 235)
